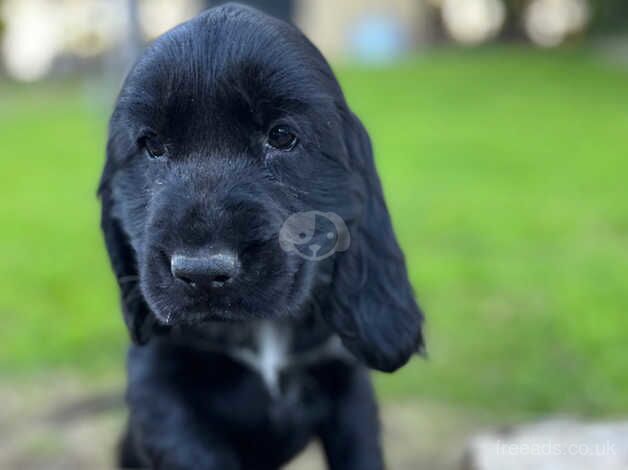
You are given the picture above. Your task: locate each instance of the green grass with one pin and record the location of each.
(57, 298)
(505, 171)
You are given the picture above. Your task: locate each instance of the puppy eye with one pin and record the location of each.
(153, 146)
(282, 138)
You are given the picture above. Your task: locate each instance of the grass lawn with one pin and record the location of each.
(505, 171)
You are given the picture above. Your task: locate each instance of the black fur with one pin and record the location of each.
(211, 89)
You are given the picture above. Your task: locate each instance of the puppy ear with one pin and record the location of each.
(137, 316)
(373, 306)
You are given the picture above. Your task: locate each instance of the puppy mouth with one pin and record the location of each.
(186, 304)
(190, 309)
(186, 286)
(191, 317)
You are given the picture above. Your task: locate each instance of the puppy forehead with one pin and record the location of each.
(229, 55)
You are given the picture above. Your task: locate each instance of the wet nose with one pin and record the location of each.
(214, 270)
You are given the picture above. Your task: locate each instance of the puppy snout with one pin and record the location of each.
(213, 270)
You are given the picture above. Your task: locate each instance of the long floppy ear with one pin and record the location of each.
(373, 307)
(137, 316)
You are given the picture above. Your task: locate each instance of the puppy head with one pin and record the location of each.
(230, 143)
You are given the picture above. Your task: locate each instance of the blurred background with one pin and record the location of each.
(501, 135)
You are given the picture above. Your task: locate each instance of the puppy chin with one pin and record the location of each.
(196, 314)
(195, 318)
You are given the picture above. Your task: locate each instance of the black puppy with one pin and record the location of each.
(248, 232)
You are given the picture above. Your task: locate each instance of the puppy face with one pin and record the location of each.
(238, 183)
(226, 133)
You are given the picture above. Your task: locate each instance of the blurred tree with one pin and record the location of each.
(1, 18)
(513, 27)
(436, 32)
(134, 31)
(119, 59)
(610, 16)
(2, 27)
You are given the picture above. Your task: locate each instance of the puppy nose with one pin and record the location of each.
(213, 270)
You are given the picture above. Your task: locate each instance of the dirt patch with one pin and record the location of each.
(71, 423)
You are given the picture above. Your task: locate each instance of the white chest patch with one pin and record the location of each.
(271, 355)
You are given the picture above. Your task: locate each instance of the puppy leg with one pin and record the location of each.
(167, 429)
(350, 436)
(168, 437)
(128, 456)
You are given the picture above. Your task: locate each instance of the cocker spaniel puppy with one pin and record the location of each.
(259, 272)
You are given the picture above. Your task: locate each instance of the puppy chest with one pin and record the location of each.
(281, 367)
